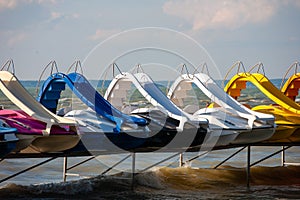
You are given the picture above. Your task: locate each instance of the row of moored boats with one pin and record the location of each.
(168, 122)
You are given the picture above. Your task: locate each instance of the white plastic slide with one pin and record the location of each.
(13, 89)
(152, 93)
(207, 85)
(252, 126)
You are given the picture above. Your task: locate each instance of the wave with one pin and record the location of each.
(168, 182)
(194, 179)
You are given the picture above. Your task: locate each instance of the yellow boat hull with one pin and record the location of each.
(288, 123)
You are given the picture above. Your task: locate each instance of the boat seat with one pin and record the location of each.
(191, 108)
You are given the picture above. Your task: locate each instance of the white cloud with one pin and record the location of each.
(15, 39)
(5, 4)
(11, 4)
(102, 34)
(56, 17)
(231, 14)
(46, 1)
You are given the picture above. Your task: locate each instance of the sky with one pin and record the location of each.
(34, 32)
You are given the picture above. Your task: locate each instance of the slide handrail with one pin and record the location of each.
(51, 64)
(8, 64)
(239, 65)
(76, 65)
(294, 65)
(259, 67)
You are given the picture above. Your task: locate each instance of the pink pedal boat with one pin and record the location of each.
(32, 137)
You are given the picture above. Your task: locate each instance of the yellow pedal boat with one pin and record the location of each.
(291, 89)
(285, 110)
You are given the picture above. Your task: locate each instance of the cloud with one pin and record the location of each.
(231, 14)
(15, 39)
(102, 34)
(11, 4)
(57, 17)
(46, 1)
(4, 4)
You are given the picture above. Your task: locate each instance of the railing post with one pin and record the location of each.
(283, 157)
(248, 166)
(132, 170)
(181, 160)
(65, 168)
